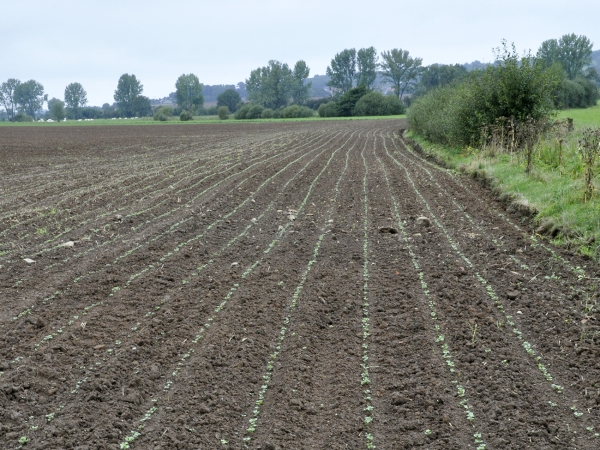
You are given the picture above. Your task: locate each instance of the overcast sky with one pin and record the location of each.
(94, 42)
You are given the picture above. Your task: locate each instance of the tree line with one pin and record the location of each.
(518, 89)
(352, 75)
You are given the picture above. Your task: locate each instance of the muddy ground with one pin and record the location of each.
(313, 285)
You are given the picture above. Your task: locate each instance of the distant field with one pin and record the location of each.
(589, 117)
(176, 121)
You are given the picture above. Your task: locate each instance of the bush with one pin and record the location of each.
(185, 116)
(278, 113)
(394, 106)
(21, 117)
(212, 111)
(376, 104)
(223, 112)
(328, 109)
(577, 93)
(347, 102)
(163, 113)
(518, 88)
(267, 113)
(297, 111)
(240, 114)
(254, 112)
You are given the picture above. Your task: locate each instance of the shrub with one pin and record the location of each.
(240, 114)
(297, 111)
(577, 93)
(21, 117)
(267, 113)
(394, 105)
(163, 113)
(328, 109)
(347, 102)
(223, 112)
(185, 116)
(278, 113)
(254, 112)
(212, 111)
(518, 87)
(376, 104)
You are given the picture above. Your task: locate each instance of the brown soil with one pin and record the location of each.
(311, 285)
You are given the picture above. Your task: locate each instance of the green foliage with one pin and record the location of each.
(300, 89)
(315, 103)
(211, 92)
(212, 111)
(518, 87)
(254, 112)
(328, 109)
(141, 106)
(188, 92)
(376, 104)
(75, 99)
(571, 51)
(128, 89)
(437, 75)
(272, 86)
(29, 97)
(20, 117)
(278, 113)
(577, 93)
(240, 114)
(56, 109)
(163, 113)
(394, 106)
(223, 112)
(297, 111)
(347, 102)
(185, 116)
(366, 60)
(342, 71)
(7, 96)
(229, 98)
(400, 69)
(267, 114)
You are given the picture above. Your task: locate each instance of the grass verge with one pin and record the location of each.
(551, 197)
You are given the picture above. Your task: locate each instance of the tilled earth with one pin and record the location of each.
(312, 285)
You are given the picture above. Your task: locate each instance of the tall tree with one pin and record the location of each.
(270, 86)
(128, 89)
(437, 75)
(75, 98)
(400, 69)
(571, 51)
(300, 89)
(30, 97)
(366, 60)
(548, 52)
(56, 109)
(230, 98)
(7, 96)
(188, 92)
(141, 106)
(342, 71)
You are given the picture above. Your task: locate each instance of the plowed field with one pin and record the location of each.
(310, 285)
